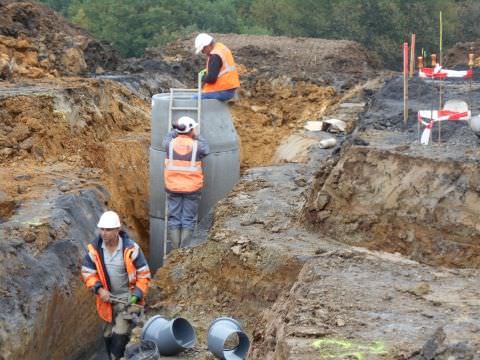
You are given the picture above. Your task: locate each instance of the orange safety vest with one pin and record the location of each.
(136, 278)
(183, 168)
(228, 75)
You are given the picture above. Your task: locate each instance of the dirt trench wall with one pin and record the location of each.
(219, 278)
(423, 208)
(47, 313)
(269, 110)
(95, 130)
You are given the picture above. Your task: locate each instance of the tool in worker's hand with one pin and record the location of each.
(201, 73)
(133, 312)
(124, 302)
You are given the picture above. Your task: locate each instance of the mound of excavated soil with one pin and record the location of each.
(458, 55)
(315, 60)
(272, 110)
(37, 42)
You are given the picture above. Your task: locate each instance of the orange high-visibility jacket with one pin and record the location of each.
(183, 167)
(95, 275)
(228, 77)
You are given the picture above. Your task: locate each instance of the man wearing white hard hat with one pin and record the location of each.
(183, 179)
(117, 272)
(220, 78)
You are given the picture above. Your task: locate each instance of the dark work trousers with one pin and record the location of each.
(182, 210)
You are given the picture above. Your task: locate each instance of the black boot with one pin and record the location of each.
(108, 345)
(119, 342)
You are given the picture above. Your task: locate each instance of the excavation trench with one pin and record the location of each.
(87, 143)
(277, 239)
(279, 255)
(309, 255)
(297, 250)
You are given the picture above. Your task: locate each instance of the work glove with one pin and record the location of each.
(133, 300)
(202, 73)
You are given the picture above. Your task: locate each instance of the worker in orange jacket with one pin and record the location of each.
(117, 272)
(220, 78)
(183, 178)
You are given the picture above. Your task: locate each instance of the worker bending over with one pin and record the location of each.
(183, 178)
(220, 77)
(115, 269)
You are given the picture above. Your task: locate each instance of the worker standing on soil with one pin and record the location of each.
(220, 76)
(183, 178)
(116, 270)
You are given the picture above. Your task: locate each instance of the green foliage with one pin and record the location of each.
(380, 25)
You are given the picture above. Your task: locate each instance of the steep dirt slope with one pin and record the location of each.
(63, 144)
(458, 55)
(45, 311)
(389, 192)
(77, 124)
(36, 42)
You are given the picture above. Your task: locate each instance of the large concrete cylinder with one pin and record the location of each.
(221, 168)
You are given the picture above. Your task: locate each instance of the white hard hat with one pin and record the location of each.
(109, 220)
(201, 41)
(185, 124)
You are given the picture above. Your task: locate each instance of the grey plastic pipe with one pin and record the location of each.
(219, 332)
(171, 336)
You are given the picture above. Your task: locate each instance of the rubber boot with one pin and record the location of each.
(174, 236)
(186, 236)
(108, 345)
(119, 342)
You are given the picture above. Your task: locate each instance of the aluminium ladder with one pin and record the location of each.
(171, 109)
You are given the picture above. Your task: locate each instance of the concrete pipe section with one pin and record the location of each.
(221, 168)
(171, 336)
(226, 340)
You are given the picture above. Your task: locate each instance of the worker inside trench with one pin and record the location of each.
(186, 184)
(261, 127)
(213, 123)
(206, 128)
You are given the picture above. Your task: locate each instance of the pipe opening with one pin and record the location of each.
(183, 333)
(236, 346)
(232, 342)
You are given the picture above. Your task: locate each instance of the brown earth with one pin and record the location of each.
(314, 60)
(285, 82)
(76, 128)
(338, 301)
(271, 111)
(459, 54)
(36, 42)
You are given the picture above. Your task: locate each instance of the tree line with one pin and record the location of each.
(380, 25)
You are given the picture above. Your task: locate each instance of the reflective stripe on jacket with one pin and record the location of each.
(228, 76)
(95, 275)
(183, 168)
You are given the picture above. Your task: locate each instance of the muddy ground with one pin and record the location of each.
(367, 250)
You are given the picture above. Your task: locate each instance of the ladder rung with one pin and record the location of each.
(183, 108)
